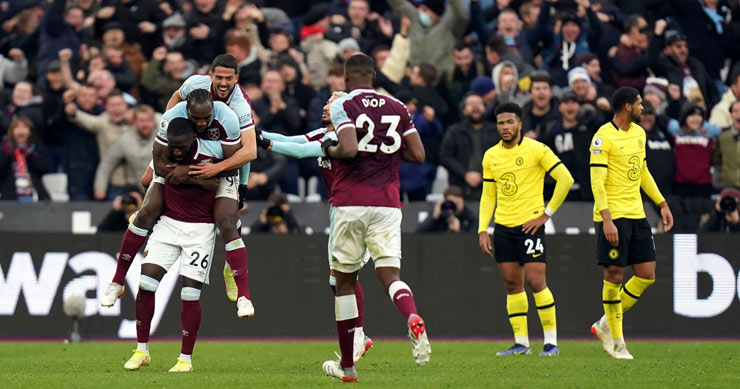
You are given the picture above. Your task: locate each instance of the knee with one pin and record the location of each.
(148, 283)
(226, 225)
(512, 286)
(614, 276)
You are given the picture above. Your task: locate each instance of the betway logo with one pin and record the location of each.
(687, 264)
(40, 290)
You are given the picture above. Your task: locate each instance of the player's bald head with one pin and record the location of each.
(359, 70)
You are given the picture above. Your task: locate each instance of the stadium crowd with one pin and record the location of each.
(83, 84)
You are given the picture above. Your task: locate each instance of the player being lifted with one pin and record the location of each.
(366, 205)
(513, 179)
(213, 121)
(313, 144)
(624, 237)
(186, 231)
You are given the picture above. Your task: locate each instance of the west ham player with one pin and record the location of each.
(367, 207)
(214, 122)
(186, 231)
(311, 145)
(222, 82)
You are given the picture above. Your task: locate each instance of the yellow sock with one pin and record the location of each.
(546, 309)
(613, 308)
(517, 306)
(632, 290)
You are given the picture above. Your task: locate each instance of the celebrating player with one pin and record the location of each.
(312, 144)
(186, 231)
(222, 82)
(366, 205)
(215, 122)
(624, 237)
(513, 178)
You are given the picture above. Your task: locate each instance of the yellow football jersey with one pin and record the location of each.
(622, 154)
(518, 174)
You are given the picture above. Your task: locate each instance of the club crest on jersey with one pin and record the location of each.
(213, 133)
(613, 254)
(163, 124)
(519, 161)
(639, 143)
(145, 253)
(597, 142)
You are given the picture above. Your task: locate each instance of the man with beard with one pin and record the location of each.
(465, 143)
(618, 172)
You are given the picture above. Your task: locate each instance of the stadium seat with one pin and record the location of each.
(56, 185)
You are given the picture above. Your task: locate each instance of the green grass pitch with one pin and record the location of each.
(389, 364)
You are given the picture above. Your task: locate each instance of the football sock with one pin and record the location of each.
(401, 295)
(133, 239)
(144, 314)
(190, 315)
(632, 290)
(345, 312)
(142, 346)
(186, 357)
(236, 256)
(613, 309)
(517, 306)
(546, 309)
(360, 297)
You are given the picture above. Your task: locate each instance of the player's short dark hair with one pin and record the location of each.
(199, 96)
(428, 73)
(360, 64)
(180, 127)
(509, 108)
(225, 61)
(540, 76)
(623, 96)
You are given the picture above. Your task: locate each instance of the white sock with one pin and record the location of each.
(142, 346)
(187, 358)
(523, 340)
(551, 337)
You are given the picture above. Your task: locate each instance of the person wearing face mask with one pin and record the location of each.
(435, 29)
(22, 163)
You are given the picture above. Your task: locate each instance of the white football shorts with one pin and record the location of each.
(359, 233)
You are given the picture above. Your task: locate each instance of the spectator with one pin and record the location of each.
(113, 34)
(592, 64)
(320, 52)
(123, 207)
(278, 112)
(61, 28)
(118, 66)
(346, 48)
(24, 103)
(529, 12)
(464, 144)
(449, 215)
(727, 150)
(205, 26)
(456, 80)
(139, 20)
(508, 27)
(422, 81)
(107, 128)
(334, 83)
(562, 48)
(540, 111)
(505, 80)
(174, 37)
(246, 54)
(693, 154)
(82, 147)
(22, 163)
(174, 71)
(676, 65)
(724, 216)
(130, 152)
(628, 60)
(721, 111)
(368, 29)
(417, 179)
(434, 31)
(294, 88)
(277, 218)
(659, 151)
(53, 137)
(391, 63)
(569, 139)
(579, 82)
(12, 69)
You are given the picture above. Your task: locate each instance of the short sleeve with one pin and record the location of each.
(243, 108)
(487, 172)
(230, 122)
(549, 160)
(600, 149)
(407, 123)
(163, 124)
(197, 81)
(339, 117)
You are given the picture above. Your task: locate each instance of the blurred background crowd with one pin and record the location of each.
(83, 84)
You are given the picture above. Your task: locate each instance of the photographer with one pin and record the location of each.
(277, 218)
(725, 217)
(449, 215)
(123, 207)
